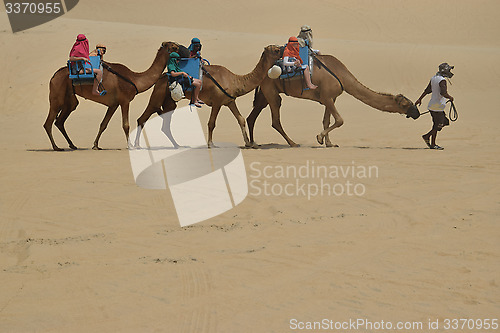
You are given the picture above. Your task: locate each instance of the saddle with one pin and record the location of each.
(75, 67)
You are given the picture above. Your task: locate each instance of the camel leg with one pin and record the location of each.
(150, 110)
(275, 104)
(259, 103)
(326, 124)
(241, 121)
(166, 128)
(125, 121)
(159, 100)
(211, 124)
(51, 117)
(104, 124)
(332, 110)
(60, 120)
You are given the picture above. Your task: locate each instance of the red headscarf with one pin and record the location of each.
(292, 49)
(80, 48)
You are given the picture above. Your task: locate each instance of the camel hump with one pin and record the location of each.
(183, 51)
(282, 50)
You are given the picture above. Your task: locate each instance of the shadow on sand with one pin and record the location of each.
(71, 150)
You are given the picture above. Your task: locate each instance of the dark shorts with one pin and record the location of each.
(439, 120)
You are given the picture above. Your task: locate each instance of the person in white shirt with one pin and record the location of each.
(439, 90)
(305, 38)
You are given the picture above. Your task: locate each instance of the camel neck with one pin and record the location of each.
(251, 80)
(379, 101)
(147, 79)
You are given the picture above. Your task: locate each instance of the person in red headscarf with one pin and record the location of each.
(292, 60)
(80, 51)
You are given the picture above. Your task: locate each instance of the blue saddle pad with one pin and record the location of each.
(75, 66)
(192, 66)
(304, 55)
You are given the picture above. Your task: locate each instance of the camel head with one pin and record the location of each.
(169, 47)
(407, 107)
(271, 54)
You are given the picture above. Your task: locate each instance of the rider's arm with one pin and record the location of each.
(287, 62)
(77, 58)
(176, 74)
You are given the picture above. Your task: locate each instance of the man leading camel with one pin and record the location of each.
(437, 86)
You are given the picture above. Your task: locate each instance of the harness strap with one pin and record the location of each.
(327, 69)
(106, 66)
(284, 86)
(216, 83)
(296, 71)
(452, 114)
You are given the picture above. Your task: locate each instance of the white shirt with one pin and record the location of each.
(289, 61)
(437, 102)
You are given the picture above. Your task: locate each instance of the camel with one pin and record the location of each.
(121, 84)
(329, 88)
(234, 85)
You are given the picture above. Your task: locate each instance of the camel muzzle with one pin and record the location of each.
(412, 112)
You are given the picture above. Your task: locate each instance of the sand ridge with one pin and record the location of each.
(82, 248)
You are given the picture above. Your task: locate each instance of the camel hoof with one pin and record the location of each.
(253, 145)
(211, 145)
(96, 148)
(73, 147)
(294, 145)
(330, 145)
(319, 138)
(57, 149)
(136, 145)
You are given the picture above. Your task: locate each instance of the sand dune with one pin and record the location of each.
(83, 249)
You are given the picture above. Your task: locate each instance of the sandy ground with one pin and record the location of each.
(83, 249)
